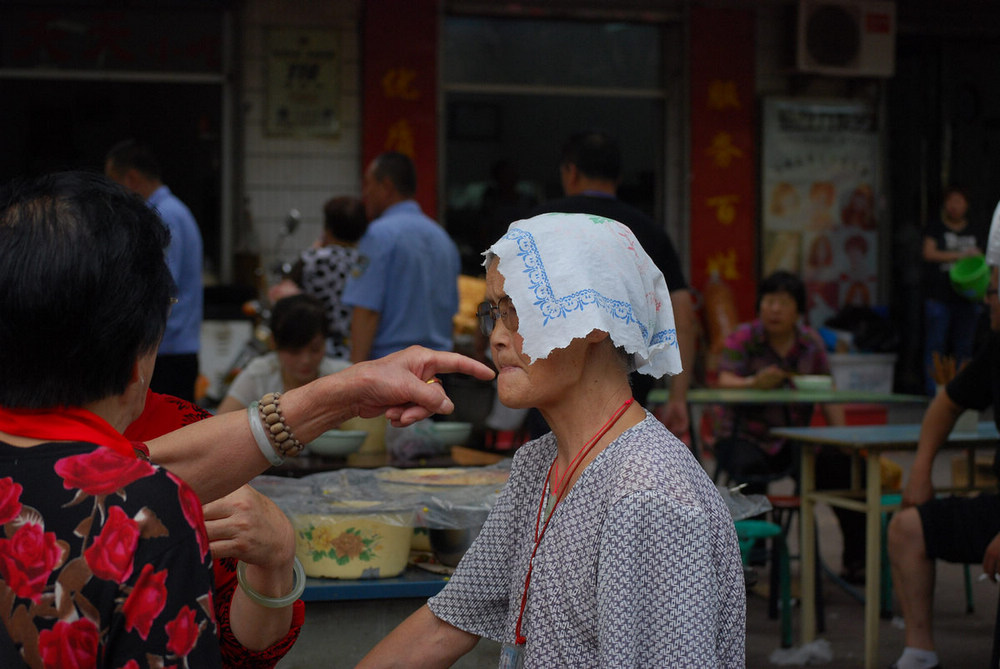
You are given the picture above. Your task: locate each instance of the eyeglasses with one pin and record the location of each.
(488, 313)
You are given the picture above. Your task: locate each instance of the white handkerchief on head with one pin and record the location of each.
(569, 274)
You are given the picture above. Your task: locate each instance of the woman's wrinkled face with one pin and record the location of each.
(779, 313)
(299, 366)
(522, 383)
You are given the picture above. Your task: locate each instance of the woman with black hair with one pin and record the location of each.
(298, 331)
(767, 353)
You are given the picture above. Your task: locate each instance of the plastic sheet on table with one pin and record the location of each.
(443, 498)
(744, 506)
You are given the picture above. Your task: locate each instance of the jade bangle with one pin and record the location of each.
(273, 602)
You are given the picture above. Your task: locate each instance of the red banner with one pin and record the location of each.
(400, 41)
(723, 153)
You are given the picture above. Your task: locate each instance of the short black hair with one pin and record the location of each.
(955, 189)
(130, 154)
(344, 218)
(596, 154)
(84, 288)
(783, 282)
(296, 320)
(397, 168)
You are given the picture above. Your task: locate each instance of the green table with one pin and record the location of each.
(858, 440)
(786, 396)
(782, 396)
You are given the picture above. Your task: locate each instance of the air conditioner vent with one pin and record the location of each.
(846, 37)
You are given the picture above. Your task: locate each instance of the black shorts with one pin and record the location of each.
(958, 529)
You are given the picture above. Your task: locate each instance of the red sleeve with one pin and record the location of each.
(163, 414)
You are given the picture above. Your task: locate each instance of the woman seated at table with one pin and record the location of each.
(767, 353)
(298, 330)
(609, 546)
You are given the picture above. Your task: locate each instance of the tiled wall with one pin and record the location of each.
(281, 173)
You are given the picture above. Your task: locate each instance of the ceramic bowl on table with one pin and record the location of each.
(813, 382)
(452, 433)
(338, 443)
(351, 539)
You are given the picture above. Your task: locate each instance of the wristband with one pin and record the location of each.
(284, 440)
(273, 602)
(260, 436)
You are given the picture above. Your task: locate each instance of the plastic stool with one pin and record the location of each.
(748, 532)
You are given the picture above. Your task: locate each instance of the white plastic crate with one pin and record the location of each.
(863, 371)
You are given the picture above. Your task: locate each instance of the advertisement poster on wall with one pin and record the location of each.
(819, 179)
(303, 71)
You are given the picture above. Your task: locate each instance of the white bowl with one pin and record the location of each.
(452, 433)
(338, 443)
(813, 382)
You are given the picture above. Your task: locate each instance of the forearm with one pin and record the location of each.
(364, 324)
(939, 419)
(421, 641)
(732, 380)
(257, 627)
(218, 455)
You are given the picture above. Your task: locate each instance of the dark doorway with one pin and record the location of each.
(48, 125)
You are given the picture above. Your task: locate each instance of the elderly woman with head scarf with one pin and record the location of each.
(609, 546)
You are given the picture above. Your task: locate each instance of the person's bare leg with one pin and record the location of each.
(912, 577)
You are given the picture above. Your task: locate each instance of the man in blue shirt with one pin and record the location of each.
(404, 289)
(134, 166)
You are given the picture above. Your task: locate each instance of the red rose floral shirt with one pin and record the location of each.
(163, 414)
(104, 562)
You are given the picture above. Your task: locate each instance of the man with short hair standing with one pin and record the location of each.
(134, 166)
(590, 170)
(404, 290)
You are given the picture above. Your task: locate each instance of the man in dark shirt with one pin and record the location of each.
(955, 529)
(590, 169)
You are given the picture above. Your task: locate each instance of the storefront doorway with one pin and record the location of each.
(515, 89)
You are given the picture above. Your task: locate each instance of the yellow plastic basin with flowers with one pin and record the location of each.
(353, 539)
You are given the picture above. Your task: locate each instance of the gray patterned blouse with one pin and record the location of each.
(639, 566)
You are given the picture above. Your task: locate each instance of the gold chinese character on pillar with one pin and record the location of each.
(724, 263)
(724, 206)
(400, 138)
(722, 149)
(722, 94)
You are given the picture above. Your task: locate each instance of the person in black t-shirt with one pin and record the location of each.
(590, 170)
(955, 529)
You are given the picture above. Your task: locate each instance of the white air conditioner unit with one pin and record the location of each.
(847, 38)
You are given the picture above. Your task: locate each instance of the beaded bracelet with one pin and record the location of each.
(260, 436)
(270, 412)
(298, 586)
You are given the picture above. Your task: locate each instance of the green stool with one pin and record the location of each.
(748, 532)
